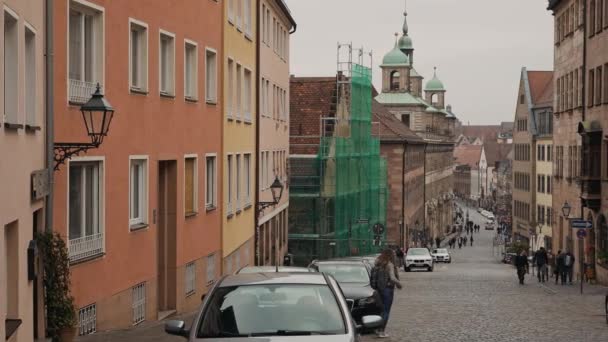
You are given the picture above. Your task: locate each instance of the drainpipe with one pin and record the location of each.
(402, 228)
(424, 188)
(583, 117)
(257, 140)
(50, 124)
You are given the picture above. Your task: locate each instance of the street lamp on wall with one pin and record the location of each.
(97, 115)
(566, 209)
(277, 192)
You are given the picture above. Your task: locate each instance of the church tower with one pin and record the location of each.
(405, 42)
(435, 92)
(395, 71)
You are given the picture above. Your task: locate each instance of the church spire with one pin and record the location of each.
(405, 27)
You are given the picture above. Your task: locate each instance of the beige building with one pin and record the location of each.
(543, 117)
(22, 146)
(275, 26)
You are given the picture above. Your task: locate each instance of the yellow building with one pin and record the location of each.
(239, 130)
(543, 117)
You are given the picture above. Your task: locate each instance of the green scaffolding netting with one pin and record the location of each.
(337, 197)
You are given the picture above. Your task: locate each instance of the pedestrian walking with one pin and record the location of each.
(471, 240)
(521, 263)
(559, 265)
(541, 259)
(568, 267)
(460, 243)
(384, 280)
(437, 241)
(399, 254)
(466, 239)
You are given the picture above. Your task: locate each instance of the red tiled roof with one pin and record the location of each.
(496, 152)
(539, 81)
(468, 155)
(391, 128)
(485, 133)
(546, 99)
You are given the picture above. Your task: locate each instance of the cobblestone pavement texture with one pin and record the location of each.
(475, 298)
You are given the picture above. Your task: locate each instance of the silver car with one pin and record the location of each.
(264, 269)
(274, 307)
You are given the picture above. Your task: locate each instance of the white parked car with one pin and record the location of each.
(441, 255)
(418, 258)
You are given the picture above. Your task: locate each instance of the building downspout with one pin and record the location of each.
(583, 117)
(50, 123)
(424, 188)
(257, 138)
(403, 235)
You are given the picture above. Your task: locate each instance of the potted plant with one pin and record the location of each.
(61, 313)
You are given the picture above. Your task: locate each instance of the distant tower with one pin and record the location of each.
(405, 42)
(395, 71)
(435, 92)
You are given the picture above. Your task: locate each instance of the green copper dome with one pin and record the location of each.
(395, 58)
(405, 43)
(435, 84)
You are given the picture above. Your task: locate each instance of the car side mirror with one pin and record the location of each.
(372, 322)
(177, 328)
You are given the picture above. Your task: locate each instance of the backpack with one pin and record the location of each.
(568, 260)
(379, 279)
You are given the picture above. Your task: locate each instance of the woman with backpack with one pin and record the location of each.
(384, 280)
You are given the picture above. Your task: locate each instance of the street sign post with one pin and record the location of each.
(581, 224)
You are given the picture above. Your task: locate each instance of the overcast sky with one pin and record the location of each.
(478, 46)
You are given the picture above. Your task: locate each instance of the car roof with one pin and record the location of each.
(269, 269)
(268, 278)
(358, 261)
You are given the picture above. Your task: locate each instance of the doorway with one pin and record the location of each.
(167, 225)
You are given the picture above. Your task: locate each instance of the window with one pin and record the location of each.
(211, 269)
(247, 17)
(247, 180)
(138, 294)
(138, 191)
(263, 97)
(592, 18)
(86, 238)
(190, 185)
(30, 77)
(211, 182)
(598, 87)
(521, 99)
(247, 96)
(85, 59)
(239, 91)
(549, 184)
(138, 61)
(87, 320)
(190, 278)
(268, 27)
(229, 172)
(591, 87)
(264, 23)
(239, 174)
(167, 64)
(231, 10)
(191, 71)
(606, 72)
(211, 75)
(239, 14)
(230, 91)
(11, 68)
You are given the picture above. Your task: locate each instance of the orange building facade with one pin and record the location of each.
(140, 214)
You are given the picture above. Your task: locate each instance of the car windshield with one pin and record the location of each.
(271, 310)
(441, 251)
(418, 251)
(346, 273)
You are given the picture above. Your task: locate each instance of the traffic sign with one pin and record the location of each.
(378, 229)
(581, 233)
(581, 224)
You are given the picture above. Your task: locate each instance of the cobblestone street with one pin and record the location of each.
(475, 298)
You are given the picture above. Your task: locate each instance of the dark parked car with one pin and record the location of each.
(354, 279)
(274, 307)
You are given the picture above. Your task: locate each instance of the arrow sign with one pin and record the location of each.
(581, 224)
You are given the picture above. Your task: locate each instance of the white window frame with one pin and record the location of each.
(247, 95)
(211, 268)
(194, 184)
(171, 64)
(101, 204)
(11, 91)
(31, 76)
(134, 223)
(239, 15)
(229, 187)
(99, 65)
(247, 178)
(87, 320)
(230, 93)
(238, 113)
(263, 35)
(211, 85)
(138, 308)
(211, 204)
(247, 22)
(238, 185)
(190, 94)
(143, 56)
(190, 281)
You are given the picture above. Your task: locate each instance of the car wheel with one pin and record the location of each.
(407, 269)
(431, 269)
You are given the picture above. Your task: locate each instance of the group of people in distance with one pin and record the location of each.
(562, 265)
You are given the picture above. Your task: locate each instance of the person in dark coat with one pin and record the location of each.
(541, 259)
(521, 263)
(559, 265)
(471, 240)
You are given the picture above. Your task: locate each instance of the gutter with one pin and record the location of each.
(50, 123)
(287, 13)
(402, 228)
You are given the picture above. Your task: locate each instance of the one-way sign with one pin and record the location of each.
(581, 224)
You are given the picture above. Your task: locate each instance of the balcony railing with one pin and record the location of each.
(86, 247)
(81, 91)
